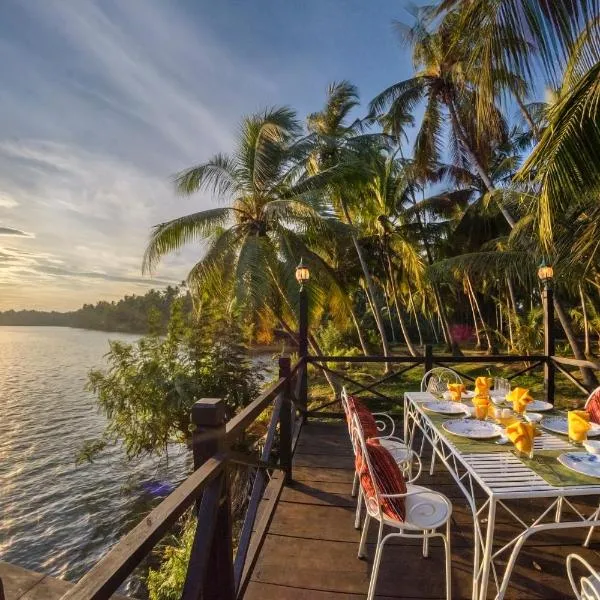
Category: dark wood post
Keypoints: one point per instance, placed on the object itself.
(285, 419)
(428, 358)
(208, 415)
(303, 349)
(549, 343)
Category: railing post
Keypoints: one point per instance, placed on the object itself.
(285, 419)
(303, 349)
(428, 358)
(208, 416)
(549, 344)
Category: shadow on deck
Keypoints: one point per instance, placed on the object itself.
(310, 550)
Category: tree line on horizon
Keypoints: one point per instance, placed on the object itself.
(415, 242)
(132, 314)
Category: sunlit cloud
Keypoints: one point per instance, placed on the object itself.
(11, 231)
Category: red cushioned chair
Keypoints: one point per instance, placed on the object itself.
(592, 405)
(373, 426)
(411, 511)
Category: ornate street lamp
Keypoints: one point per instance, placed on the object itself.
(302, 274)
(546, 274)
(302, 277)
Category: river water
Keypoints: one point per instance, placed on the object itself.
(58, 517)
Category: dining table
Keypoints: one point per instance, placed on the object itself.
(494, 478)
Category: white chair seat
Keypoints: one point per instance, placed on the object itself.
(590, 588)
(425, 510)
(398, 450)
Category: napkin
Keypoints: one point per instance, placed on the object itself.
(522, 436)
(520, 398)
(483, 385)
(579, 424)
(456, 390)
(481, 404)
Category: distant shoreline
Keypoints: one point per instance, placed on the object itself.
(252, 350)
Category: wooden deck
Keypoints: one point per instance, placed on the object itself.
(311, 544)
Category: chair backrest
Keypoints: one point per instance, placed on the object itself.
(344, 399)
(436, 380)
(592, 405)
(589, 586)
(363, 463)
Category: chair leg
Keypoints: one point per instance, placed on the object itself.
(363, 537)
(431, 469)
(588, 538)
(448, 550)
(422, 446)
(376, 563)
(355, 484)
(425, 543)
(358, 510)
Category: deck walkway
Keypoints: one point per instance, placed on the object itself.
(310, 548)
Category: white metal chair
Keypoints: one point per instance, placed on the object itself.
(394, 445)
(589, 586)
(436, 382)
(425, 512)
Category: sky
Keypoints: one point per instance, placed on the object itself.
(102, 101)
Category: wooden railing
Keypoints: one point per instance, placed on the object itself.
(214, 570)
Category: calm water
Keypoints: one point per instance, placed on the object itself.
(55, 516)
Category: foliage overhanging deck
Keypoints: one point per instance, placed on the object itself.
(310, 548)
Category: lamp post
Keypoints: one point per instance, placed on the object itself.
(302, 277)
(546, 275)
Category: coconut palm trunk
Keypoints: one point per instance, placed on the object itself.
(416, 317)
(586, 329)
(401, 320)
(491, 349)
(478, 345)
(361, 339)
(370, 287)
(589, 379)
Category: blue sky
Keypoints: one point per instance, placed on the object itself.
(103, 100)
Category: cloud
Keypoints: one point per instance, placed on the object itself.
(126, 94)
(11, 231)
(7, 201)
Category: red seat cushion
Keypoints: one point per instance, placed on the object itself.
(593, 406)
(366, 419)
(388, 479)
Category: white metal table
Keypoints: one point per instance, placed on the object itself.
(502, 477)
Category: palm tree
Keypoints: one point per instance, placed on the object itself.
(498, 30)
(380, 217)
(252, 241)
(441, 82)
(339, 144)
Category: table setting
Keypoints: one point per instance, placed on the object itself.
(511, 419)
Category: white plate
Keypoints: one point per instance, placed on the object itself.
(539, 406)
(470, 428)
(560, 425)
(465, 395)
(581, 462)
(446, 408)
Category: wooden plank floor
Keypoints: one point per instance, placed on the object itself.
(311, 545)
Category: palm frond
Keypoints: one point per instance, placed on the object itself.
(172, 235)
(217, 175)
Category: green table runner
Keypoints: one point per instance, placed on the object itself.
(544, 462)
